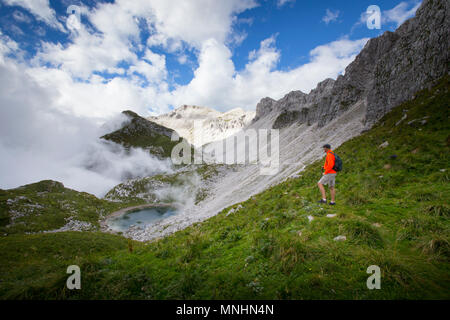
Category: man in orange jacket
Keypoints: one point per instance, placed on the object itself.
(329, 176)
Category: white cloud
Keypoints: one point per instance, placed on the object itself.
(173, 24)
(7, 47)
(194, 22)
(99, 51)
(330, 16)
(143, 83)
(152, 67)
(400, 13)
(281, 3)
(217, 84)
(100, 98)
(40, 9)
(21, 17)
(182, 59)
(117, 42)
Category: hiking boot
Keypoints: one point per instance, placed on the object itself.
(322, 201)
(332, 203)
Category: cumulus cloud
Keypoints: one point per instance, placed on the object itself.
(330, 16)
(118, 72)
(90, 52)
(172, 24)
(7, 47)
(194, 22)
(216, 83)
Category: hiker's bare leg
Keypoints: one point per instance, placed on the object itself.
(333, 193)
(322, 190)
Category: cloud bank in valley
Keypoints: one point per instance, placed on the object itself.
(39, 142)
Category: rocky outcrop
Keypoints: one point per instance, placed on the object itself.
(265, 106)
(139, 124)
(387, 72)
(142, 133)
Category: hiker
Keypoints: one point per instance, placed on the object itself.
(329, 175)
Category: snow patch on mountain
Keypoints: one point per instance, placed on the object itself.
(214, 125)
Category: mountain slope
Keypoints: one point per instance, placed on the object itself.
(215, 125)
(145, 134)
(392, 208)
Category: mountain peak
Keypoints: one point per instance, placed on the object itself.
(216, 125)
(143, 133)
(130, 114)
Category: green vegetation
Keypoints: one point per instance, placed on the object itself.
(142, 133)
(32, 265)
(48, 205)
(392, 206)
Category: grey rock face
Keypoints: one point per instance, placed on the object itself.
(265, 106)
(418, 55)
(388, 71)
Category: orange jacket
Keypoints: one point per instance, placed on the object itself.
(329, 163)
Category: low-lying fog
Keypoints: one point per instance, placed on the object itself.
(38, 142)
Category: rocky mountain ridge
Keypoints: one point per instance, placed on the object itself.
(388, 71)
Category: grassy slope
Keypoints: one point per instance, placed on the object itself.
(32, 265)
(396, 217)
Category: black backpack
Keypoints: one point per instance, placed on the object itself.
(337, 163)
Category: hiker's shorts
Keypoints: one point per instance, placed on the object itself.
(328, 179)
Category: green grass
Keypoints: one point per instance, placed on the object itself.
(35, 262)
(396, 218)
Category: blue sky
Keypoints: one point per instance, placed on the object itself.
(152, 56)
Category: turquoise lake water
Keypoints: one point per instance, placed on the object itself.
(140, 218)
